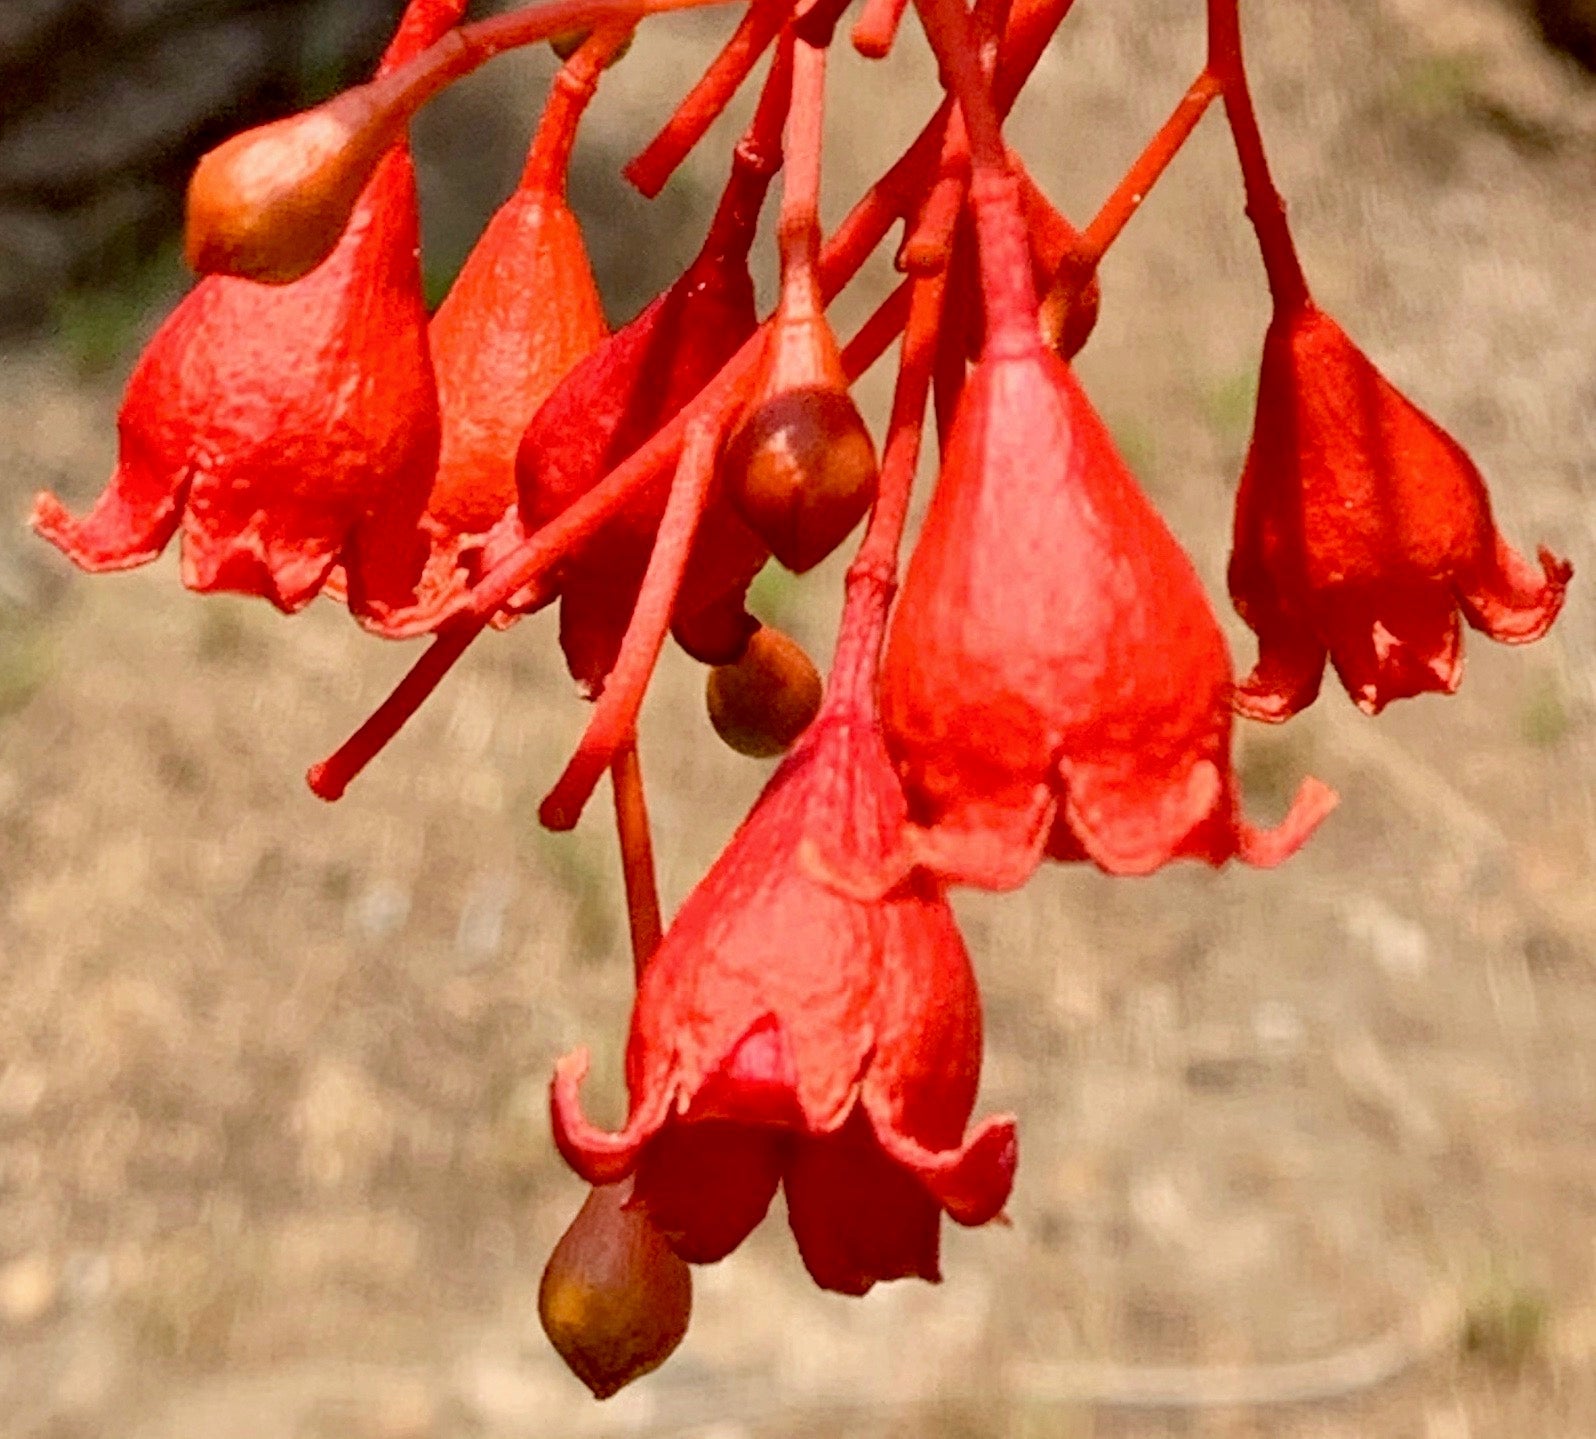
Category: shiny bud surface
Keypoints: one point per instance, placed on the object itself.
(801, 470)
(760, 704)
(615, 1300)
(270, 204)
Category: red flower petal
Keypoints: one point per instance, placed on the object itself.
(786, 1030)
(859, 1217)
(706, 1186)
(1362, 529)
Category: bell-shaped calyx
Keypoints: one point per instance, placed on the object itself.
(522, 312)
(283, 429)
(785, 1033)
(1362, 531)
(1055, 680)
(799, 465)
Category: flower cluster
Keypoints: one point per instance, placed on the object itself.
(1050, 682)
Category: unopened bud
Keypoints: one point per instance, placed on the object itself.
(761, 704)
(270, 204)
(1069, 312)
(615, 1298)
(800, 466)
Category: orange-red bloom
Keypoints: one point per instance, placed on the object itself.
(617, 398)
(523, 310)
(1362, 528)
(603, 411)
(1055, 681)
(784, 1033)
(272, 424)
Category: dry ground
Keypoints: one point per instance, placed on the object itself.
(1310, 1153)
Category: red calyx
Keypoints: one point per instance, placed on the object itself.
(281, 428)
(619, 396)
(785, 1033)
(522, 312)
(1055, 681)
(1362, 530)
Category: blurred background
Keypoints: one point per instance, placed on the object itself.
(1309, 1153)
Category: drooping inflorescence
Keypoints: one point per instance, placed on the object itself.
(1051, 682)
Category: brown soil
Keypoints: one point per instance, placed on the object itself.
(1310, 1153)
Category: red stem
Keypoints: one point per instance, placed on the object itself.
(798, 230)
(637, 854)
(929, 245)
(873, 575)
(756, 158)
(760, 148)
(957, 49)
(870, 341)
(877, 27)
(404, 90)
(1144, 174)
(1007, 290)
(1265, 208)
(329, 778)
(423, 22)
(614, 717)
(549, 156)
(658, 160)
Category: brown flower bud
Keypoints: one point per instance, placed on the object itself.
(799, 465)
(271, 203)
(615, 1298)
(761, 703)
(1069, 312)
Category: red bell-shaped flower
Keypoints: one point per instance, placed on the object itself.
(608, 406)
(1362, 529)
(523, 310)
(785, 1033)
(275, 424)
(1055, 680)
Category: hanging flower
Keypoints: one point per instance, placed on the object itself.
(272, 425)
(1362, 529)
(620, 395)
(605, 408)
(785, 1033)
(1055, 681)
(522, 312)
